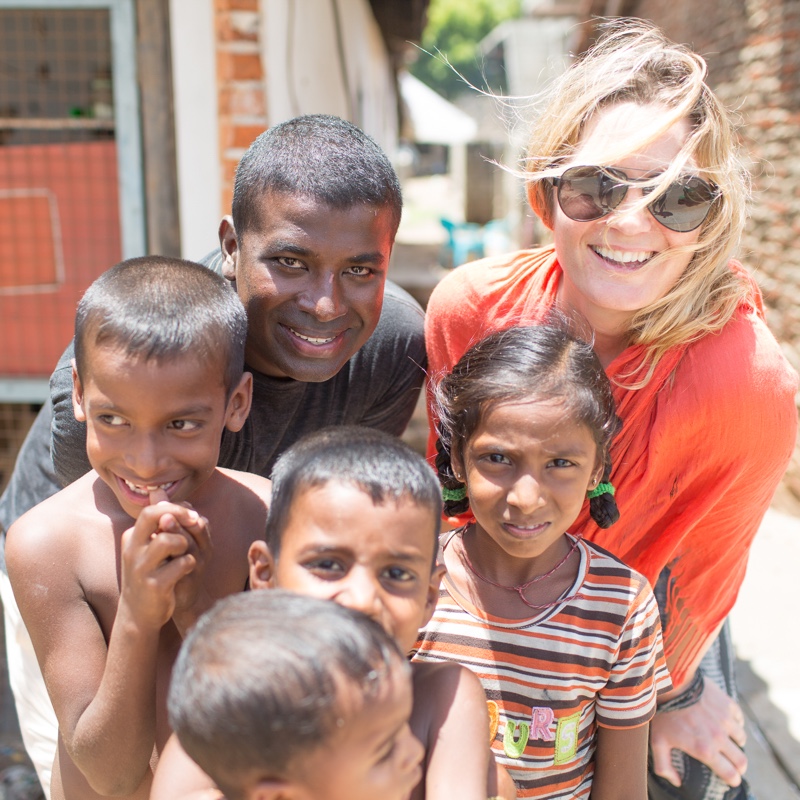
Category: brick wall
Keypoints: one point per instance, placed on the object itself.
(240, 85)
(753, 51)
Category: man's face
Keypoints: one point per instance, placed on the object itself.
(311, 278)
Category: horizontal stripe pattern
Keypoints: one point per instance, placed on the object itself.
(597, 658)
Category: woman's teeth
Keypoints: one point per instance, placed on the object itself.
(623, 256)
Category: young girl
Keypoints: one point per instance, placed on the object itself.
(565, 638)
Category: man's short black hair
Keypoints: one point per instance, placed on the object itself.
(318, 156)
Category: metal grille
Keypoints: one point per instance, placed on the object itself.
(59, 191)
(15, 419)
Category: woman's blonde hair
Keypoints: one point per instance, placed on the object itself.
(633, 61)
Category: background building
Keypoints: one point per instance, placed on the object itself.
(121, 125)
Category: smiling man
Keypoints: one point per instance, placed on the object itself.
(316, 206)
(315, 210)
(311, 277)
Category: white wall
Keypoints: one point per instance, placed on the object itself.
(314, 66)
(308, 70)
(196, 124)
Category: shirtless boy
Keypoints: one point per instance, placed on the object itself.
(331, 341)
(112, 571)
(354, 518)
(327, 718)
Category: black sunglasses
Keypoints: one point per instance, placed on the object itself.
(589, 193)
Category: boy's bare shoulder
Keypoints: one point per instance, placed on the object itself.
(83, 507)
(235, 504)
(451, 719)
(67, 544)
(262, 487)
(441, 687)
(235, 495)
(435, 676)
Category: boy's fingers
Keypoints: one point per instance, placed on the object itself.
(180, 517)
(201, 534)
(172, 571)
(163, 547)
(147, 524)
(187, 517)
(167, 522)
(163, 516)
(158, 496)
(194, 526)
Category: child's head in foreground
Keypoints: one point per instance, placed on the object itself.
(158, 375)
(279, 695)
(354, 518)
(544, 375)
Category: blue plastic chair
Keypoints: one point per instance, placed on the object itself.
(464, 242)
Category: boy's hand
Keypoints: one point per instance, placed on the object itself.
(191, 597)
(157, 552)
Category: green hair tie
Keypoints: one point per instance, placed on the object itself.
(454, 494)
(601, 488)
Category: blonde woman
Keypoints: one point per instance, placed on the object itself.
(632, 166)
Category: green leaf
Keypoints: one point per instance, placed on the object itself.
(451, 38)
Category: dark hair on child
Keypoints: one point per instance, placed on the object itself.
(519, 364)
(159, 308)
(380, 464)
(258, 682)
(318, 156)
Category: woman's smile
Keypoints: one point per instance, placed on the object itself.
(625, 261)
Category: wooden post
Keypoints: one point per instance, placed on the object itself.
(158, 127)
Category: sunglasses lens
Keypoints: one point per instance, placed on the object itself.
(685, 205)
(587, 193)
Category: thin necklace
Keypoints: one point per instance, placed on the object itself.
(520, 589)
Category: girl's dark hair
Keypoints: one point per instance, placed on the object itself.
(519, 364)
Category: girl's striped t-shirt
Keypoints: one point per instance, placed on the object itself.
(597, 658)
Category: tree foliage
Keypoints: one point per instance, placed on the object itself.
(452, 34)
